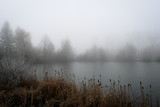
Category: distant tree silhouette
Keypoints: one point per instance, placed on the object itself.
(23, 43)
(66, 53)
(151, 53)
(128, 53)
(6, 40)
(47, 49)
(94, 54)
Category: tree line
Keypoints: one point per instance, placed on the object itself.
(17, 44)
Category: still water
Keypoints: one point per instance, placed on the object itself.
(126, 72)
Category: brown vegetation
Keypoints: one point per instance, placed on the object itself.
(62, 91)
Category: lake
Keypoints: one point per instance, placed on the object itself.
(126, 72)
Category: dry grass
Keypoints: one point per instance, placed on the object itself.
(62, 91)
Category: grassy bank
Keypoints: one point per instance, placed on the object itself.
(62, 91)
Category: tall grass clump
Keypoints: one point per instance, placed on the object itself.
(61, 90)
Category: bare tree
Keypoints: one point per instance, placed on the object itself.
(23, 43)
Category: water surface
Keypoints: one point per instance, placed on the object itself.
(126, 72)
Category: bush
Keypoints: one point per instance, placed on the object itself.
(12, 70)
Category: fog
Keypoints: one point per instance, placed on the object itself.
(91, 22)
(109, 26)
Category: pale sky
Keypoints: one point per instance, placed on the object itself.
(107, 23)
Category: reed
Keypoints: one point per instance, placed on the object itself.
(61, 90)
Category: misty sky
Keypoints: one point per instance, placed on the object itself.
(107, 23)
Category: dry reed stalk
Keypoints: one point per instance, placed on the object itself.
(25, 94)
(32, 96)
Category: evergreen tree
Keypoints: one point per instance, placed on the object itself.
(6, 41)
